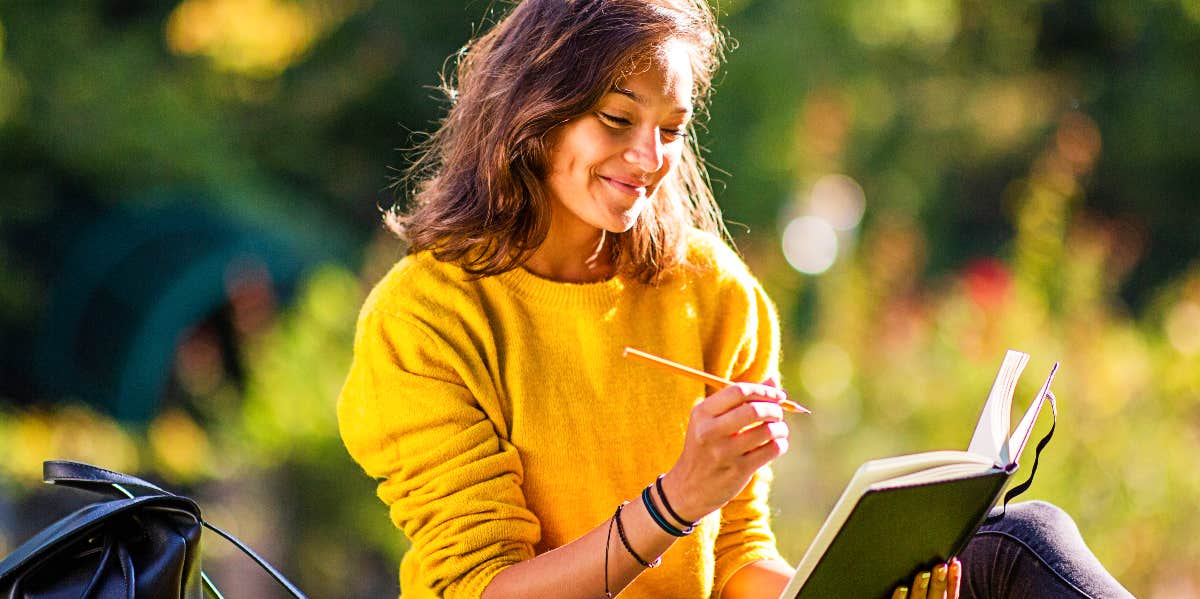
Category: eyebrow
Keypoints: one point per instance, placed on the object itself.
(628, 93)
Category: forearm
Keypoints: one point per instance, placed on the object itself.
(577, 569)
(731, 434)
(764, 579)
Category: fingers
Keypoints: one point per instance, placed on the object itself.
(738, 393)
(764, 454)
(753, 438)
(943, 582)
(954, 588)
(920, 587)
(937, 586)
(900, 593)
(746, 415)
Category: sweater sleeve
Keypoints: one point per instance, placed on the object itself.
(452, 484)
(745, 534)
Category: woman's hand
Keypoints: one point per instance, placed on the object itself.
(731, 434)
(943, 582)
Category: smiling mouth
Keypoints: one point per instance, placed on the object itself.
(626, 187)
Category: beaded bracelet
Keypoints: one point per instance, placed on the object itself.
(658, 518)
(687, 526)
(628, 547)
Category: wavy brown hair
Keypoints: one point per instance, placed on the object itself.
(476, 183)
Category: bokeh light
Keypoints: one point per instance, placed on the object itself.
(926, 22)
(180, 447)
(839, 200)
(810, 245)
(10, 84)
(826, 370)
(257, 38)
(1192, 8)
(1183, 327)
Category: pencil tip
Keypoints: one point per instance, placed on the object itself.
(795, 407)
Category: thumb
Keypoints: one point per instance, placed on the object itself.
(772, 380)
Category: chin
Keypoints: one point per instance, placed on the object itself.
(624, 220)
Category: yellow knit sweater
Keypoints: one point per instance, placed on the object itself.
(502, 421)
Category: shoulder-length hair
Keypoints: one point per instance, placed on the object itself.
(478, 195)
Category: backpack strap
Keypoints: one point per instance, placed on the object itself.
(262, 563)
(67, 473)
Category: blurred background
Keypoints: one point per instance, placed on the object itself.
(190, 198)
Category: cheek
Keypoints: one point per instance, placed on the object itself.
(671, 160)
(578, 147)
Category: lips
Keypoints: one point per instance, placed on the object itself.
(627, 186)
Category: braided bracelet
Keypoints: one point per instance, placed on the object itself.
(658, 518)
(628, 547)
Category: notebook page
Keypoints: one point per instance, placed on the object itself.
(992, 432)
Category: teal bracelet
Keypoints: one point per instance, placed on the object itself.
(658, 518)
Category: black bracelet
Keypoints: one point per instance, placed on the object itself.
(607, 543)
(662, 495)
(658, 518)
(628, 547)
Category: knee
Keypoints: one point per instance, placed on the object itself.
(1042, 518)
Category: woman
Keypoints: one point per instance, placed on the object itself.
(562, 213)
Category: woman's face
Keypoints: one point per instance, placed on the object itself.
(605, 166)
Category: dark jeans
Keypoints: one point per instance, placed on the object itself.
(1034, 551)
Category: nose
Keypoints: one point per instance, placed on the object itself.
(646, 150)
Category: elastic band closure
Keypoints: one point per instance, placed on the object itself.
(1021, 488)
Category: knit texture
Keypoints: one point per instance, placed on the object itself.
(502, 421)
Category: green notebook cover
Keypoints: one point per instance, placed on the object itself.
(876, 551)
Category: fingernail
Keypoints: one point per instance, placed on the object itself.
(903, 592)
(940, 572)
(923, 580)
(955, 564)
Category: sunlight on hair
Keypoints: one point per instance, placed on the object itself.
(810, 245)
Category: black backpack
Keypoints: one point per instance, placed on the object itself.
(142, 542)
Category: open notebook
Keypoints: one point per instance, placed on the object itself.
(900, 515)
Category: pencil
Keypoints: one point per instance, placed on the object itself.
(701, 376)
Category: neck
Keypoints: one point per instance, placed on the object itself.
(579, 256)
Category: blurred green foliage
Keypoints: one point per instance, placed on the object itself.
(1029, 175)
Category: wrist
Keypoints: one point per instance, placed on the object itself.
(683, 499)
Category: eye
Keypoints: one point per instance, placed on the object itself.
(674, 134)
(613, 120)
